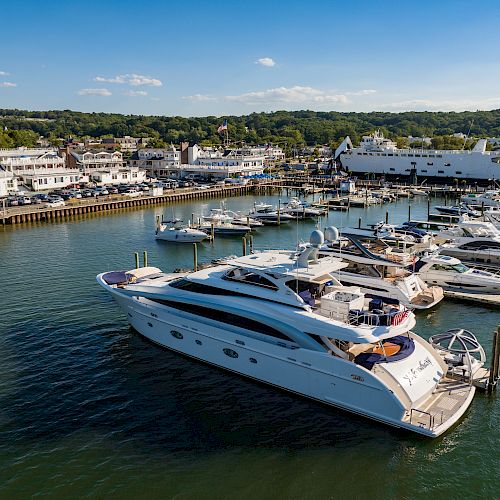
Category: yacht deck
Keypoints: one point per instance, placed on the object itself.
(447, 402)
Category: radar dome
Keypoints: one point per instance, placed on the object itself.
(317, 238)
(331, 233)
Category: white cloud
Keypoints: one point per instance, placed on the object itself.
(4, 73)
(296, 94)
(131, 79)
(199, 98)
(362, 92)
(443, 105)
(99, 92)
(135, 93)
(266, 61)
(8, 84)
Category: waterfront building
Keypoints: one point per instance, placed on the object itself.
(269, 152)
(38, 168)
(157, 162)
(125, 144)
(217, 163)
(105, 167)
(419, 140)
(8, 182)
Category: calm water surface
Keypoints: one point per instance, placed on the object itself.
(90, 408)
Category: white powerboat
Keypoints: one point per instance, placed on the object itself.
(486, 199)
(379, 273)
(452, 275)
(284, 319)
(301, 210)
(222, 214)
(174, 231)
(269, 215)
(472, 241)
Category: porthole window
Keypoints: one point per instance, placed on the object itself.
(150, 324)
(230, 353)
(253, 360)
(198, 341)
(176, 334)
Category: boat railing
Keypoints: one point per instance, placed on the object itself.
(370, 319)
(431, 418)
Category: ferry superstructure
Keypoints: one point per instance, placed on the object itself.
(379, 155)
(282, 318)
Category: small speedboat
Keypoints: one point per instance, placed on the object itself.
(174, 231)
(460, 209)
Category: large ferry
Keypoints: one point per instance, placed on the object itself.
(379, 155)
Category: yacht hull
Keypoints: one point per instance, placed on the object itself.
(312, 374)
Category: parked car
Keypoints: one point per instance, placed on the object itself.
(55, 202)
(12, 201)
(132, 192)
(112, 189)
(101, 191)
(87, 193)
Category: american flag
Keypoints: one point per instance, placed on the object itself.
(222, 127)
(398, 318)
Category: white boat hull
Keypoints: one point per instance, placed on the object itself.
(316, 375)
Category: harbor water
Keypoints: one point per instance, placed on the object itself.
(90, 408)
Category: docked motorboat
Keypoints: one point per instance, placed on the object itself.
(301, 210)
(284, 319)
(486, 199)
(386, 232)
(460, 209)
(218, 215)
(418, 192)
(453, 275)
(224, 226)
(472, 240)
(269, 215)
(379, 272)
(173, 230)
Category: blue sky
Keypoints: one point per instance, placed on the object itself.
(195, 58)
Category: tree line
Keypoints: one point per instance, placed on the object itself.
(290, 129)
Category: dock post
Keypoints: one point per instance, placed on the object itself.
(428, 207)
(495, 361)
(145, 258)
(136, 255)
(387, 216)
(157, 223)
(409, 212)
(244, 245)
(482, 209)
(195, 257)
(250, 241)
(212, 232)
(279, 210)
(359, 223)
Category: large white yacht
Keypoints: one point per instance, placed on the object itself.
(282, 318)
(377, 154)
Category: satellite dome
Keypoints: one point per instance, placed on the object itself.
(317, 238)
(331, 233)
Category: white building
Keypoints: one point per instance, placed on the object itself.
(8, 182)
(269, 152)
(105, 167)
(160, 163)
(38, 169)
(216, 163)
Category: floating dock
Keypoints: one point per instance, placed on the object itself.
(481, 298)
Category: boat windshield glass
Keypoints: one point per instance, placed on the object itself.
(249, 277)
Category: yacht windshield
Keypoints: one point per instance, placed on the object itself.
(460, 268)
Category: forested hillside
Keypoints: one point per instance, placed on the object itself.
(292, 128)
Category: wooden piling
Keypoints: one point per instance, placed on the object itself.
(195, 257)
